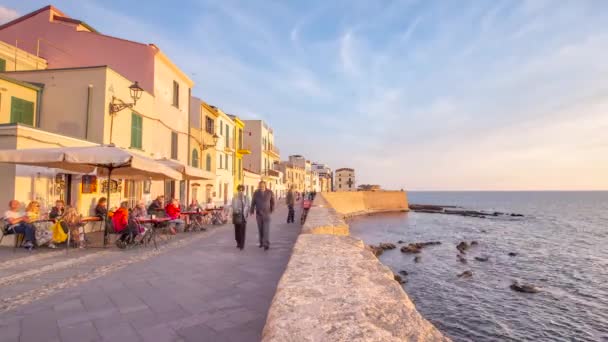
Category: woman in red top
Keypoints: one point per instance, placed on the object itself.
(173, 212)
(120, 219)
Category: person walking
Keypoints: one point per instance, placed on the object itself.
(262, 204)
(291, 202)
(240, 211)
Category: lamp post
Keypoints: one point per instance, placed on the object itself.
(116, 105)
(215, 138)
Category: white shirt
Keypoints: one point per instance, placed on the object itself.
(9, 214)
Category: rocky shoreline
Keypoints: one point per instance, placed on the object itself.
(455, 210)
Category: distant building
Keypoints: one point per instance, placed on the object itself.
(325, 176)
(259, 139)
(345, 180)
(293, 176)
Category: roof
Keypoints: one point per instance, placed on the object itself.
(29, 15)
(345, 169)
(21, 83)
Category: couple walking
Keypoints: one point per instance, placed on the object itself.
(262, 204)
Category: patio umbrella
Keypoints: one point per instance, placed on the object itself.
(105, 160)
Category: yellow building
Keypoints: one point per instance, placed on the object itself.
(18, 101)
(241, 150)
(13, 59)
(293, 176)
(203, 118)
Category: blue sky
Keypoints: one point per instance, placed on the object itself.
(438, 95)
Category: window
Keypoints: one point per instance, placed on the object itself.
(227, 136)
(221, 161)
(174, 145)
(240, 169)
(221, 128)
(22, 111)
(240, 139)
(194, 158)
(209, 125)
(2, 65)
(176, 94)
(208, 163)
(136, 130)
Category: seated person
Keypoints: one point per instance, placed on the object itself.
(120, 220)
(194, 205)
(43, 234)
(140, 210)
(73, 222)
(58, 210)
(101, 209)
(157, 206)
(209, 204)
(173, 211)
(19, 224)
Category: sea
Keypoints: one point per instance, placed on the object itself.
(561, 246)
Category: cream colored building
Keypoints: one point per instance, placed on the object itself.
(225, 154)
(76, 104)
(345, 180)
(251, 181)
(265, 156)
(293, 175)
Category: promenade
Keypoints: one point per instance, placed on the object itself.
(197, 287)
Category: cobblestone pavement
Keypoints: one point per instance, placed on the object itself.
(198, 287)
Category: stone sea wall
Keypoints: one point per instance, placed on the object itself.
(334, 289)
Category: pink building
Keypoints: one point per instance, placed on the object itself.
(67, 43)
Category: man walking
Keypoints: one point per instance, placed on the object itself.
(291, 201)
(262, 204)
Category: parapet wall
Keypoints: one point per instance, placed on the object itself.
(364, 202)
(334, 289)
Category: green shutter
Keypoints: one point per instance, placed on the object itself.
(136, 130)
(22, 111)
(2, 65)
(208, 162)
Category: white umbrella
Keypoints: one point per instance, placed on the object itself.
(187, 172)
(106, 160)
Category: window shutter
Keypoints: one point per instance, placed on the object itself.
(136, 130)
(173, 145)
(2, 65)
(208, 162)
(22, 111)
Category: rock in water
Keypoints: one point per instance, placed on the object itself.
(461, 258)
(462, 246)
(512, 254)
(482, 259)
(465, 274)
(474, 243)
(400, 241)
(403, 272)
(525, 288)
(417, 259)
(411, 248)
(376, 250)
(399, 279)
(386, 245)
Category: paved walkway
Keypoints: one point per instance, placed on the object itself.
(196, 288)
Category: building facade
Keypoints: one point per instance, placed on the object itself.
(250, 181)
(325, 176)
(203, 147)
(345, 180)
(225, 153)
(293, 176)
(85, 75)
(265, 156)
(240, 150)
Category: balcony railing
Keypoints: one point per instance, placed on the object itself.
(270, 173)
(272, 150)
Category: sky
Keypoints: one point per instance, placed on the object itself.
(412, 94)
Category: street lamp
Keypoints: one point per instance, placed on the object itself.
(116, 105)
(215, 139)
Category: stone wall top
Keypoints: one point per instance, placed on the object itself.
(334, 289)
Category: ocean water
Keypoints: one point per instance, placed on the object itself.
(561, 246)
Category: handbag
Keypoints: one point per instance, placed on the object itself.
(59, 235)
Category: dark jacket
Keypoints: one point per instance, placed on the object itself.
(101, 212)
(55, 213)
(155, 207)
(291, 198)
(262, 203)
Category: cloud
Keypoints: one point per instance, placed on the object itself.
(7, 14)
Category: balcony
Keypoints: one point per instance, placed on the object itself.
(270, 173)
(229, 146)
(273, 151)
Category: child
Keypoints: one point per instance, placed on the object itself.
(71, 219)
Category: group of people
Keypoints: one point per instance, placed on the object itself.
(23, 221)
